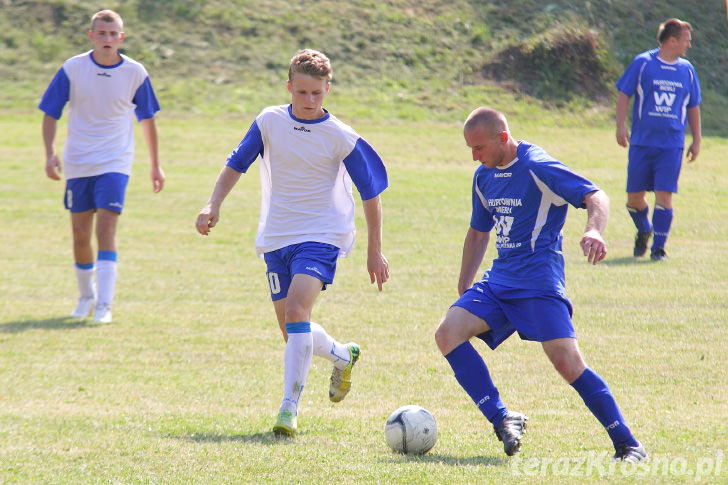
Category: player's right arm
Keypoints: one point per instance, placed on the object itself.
(237, 163)
(52, 104)
(210, 214)
(621, 118)
(53, 163)
(473, 252)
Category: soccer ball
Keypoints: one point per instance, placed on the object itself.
(411, 429)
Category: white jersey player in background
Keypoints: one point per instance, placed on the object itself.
(103, 89)
(308, 162)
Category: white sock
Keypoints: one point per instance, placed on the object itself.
(106, 277)
(297, 361)
(324, 345)
(85, 280)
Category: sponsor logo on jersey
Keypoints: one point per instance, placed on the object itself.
(103, 74)
(505, 201)
(302, 128)
(502, 175)
(664, 102)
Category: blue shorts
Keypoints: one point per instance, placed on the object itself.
(536, 315)
(105, 191)
(311, 258)
(653, 168)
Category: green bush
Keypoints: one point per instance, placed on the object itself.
(557, 66)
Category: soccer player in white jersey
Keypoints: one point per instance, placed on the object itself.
(523, 194)
(308, 162)
(666, 95)
(104, 90)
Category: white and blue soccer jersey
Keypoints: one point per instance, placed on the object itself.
(101, 102)
(307, 168)
(526, 202)
(663, 92)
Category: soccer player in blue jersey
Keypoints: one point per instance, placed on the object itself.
(667, 95)
(522, 193)
(308, 162)
(104, 90)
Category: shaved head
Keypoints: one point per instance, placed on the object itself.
(490, 120)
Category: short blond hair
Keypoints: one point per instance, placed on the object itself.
(312, 63)
(491, 120)
(107, 16)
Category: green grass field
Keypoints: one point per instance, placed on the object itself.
(184, 385)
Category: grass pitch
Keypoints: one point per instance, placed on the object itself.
(183, 387)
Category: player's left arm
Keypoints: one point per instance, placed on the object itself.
(694, 122)
(592, 242)
(149, 128)
(377, 264)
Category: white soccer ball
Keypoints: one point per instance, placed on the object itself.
(411, 429)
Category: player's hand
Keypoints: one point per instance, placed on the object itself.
(53, 167)
(378, 268)
(692, 153)
(157, 176)
(623, 136)
(206, 220)
(594, 247)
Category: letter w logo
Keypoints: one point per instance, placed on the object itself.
(664, 98)
(503, 225)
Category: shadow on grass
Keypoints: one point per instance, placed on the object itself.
(453, 460)
(61, 323)
(267, 438)
(627, 261)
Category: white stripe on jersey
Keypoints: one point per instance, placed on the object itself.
(548, 198)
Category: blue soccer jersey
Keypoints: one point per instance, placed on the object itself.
(307, 168)
(526, 202)
(663, 92)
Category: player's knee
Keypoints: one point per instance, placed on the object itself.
(81, 235)
(568, 367)
(296, 312)
(446, 336)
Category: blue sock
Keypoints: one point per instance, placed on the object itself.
(641, 221)
(472, 374)
(597, 397)
(661, 219)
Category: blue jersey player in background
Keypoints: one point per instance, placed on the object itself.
(522, 194)
(308, 162)
(666, 95)
(104, 90)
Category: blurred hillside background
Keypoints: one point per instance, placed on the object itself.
(393, 59)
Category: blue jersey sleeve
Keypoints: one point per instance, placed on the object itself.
(695, 98)
(56, 96)
(247, 151)
(481, 218)
(145, 101)
(366, 170)
(628, 82)
(564, 182)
